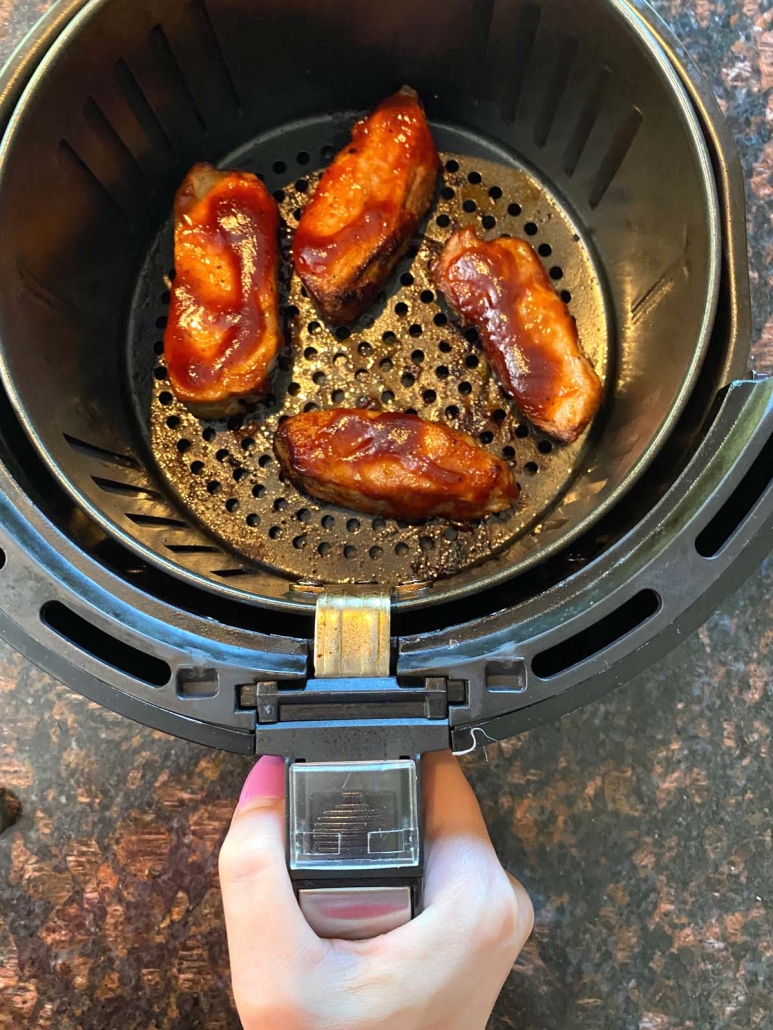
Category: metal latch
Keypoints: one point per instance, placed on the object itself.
(351, 634)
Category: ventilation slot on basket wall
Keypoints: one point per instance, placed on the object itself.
(95, 189)
(598, 637)
(173, 73)
(728, 519)
(141, 108)
(106, 648)
(612, 161)
(217, 57)
(91, 450)
(523, 40)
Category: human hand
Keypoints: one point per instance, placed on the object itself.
(441, 971)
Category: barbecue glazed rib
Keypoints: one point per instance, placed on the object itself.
(367, 208)
(223, 333)
(393, 464)
(529, 337)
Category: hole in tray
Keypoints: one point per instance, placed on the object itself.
(716, 534)
(597, 637)
(104, 646)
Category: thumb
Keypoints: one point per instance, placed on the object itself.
(266, 930)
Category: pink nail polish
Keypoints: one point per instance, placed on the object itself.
(266, 780)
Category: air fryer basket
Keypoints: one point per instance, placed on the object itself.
(160, 566)
(559, 123)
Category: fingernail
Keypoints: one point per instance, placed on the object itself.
(266, 780)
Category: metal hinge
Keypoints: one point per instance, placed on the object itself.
(351, 634)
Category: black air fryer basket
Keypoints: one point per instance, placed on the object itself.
(159, 564)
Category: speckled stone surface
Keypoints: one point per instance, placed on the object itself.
(643, 826)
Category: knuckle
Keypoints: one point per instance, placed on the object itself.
(501, 918)
(510, 923)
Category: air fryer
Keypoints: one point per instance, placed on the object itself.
(161, 566)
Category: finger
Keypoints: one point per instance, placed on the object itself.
(450, 805)
(458, 844)
(465, 882)
(475, 917)
(267, 935)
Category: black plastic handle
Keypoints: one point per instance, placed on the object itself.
(355, 847)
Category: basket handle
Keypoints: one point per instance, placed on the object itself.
(355, 844)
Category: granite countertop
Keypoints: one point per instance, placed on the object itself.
(642, 826)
